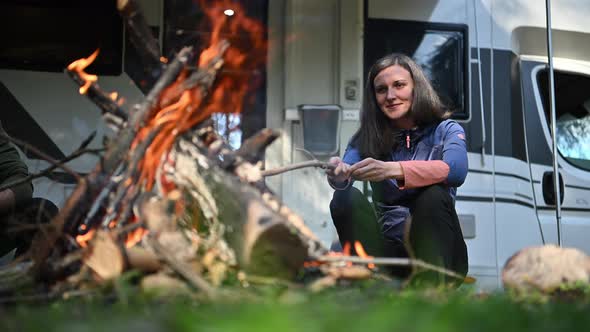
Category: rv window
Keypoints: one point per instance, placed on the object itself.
(572, 105)
(439, 48)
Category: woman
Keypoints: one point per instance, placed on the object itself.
(414, 157)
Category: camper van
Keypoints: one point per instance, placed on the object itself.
(488, 60)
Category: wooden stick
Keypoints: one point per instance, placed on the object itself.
(99, 97)
(284, 169)
(390, 261)
(137, 120)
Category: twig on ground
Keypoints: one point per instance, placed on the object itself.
(284, 169)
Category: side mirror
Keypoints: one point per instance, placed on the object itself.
(548, 188)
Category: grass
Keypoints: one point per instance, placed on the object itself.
(365, 307)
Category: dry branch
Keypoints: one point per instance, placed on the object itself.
(100, 98)
(137, 120)
(284, 169)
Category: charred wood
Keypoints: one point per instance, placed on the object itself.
(141, 111)
(252, 149)
(140, 34)
(101, 99)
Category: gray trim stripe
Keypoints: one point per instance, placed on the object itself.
(499, 173)
(490, 200)
(567, 185)
(479, 171)
(517, 202)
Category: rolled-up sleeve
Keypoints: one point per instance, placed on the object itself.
(455, 153)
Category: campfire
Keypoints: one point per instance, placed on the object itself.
(169, 197)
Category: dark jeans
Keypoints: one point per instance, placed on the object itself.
(434, 232)
(18, 228)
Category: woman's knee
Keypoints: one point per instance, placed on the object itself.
(344, 201)
(433, 197)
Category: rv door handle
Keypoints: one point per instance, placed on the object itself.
(549, 188)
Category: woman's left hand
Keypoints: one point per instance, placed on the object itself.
(374, 170)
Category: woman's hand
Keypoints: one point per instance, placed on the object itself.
(339, 174)
(376, 170)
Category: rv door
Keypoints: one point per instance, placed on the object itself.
(572, 99)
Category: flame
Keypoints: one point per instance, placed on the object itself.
(84, 238)
(79, 66)
(135, 236)
(179, 111)
(362, 253)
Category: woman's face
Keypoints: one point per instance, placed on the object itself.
(394, 88)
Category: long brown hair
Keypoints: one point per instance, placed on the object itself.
(377, 136)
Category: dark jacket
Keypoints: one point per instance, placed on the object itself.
(12, 169)
(444, 141)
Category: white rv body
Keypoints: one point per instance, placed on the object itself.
(316, 57)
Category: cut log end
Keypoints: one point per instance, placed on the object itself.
(278, 251)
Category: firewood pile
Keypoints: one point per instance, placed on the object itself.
(170, 198)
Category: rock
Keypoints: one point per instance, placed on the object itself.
(546, 268)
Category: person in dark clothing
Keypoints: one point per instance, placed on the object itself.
(415, 157)
(17, 205)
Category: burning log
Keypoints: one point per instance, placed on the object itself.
(111, 110)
